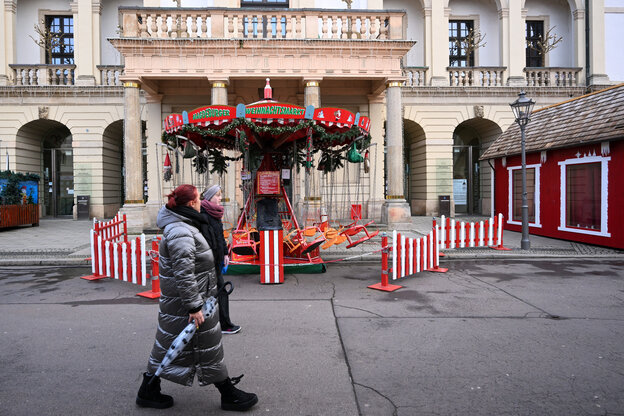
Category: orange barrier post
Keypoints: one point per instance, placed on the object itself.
(384, 285)
(498, 228)
(155, 278)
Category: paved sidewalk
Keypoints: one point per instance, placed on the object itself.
(66, 242)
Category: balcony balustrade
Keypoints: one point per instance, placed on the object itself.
(477, 76)
(43, 74)
(109, 75)
(415, 76)
(187, 23)
(552, 77)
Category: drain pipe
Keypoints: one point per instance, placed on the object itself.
(587, 46)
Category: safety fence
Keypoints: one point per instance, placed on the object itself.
(459, 234)
(409, 256)
(114, 255)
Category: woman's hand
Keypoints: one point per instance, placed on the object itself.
(198, 316)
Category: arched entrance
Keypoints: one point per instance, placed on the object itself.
(415, 162)
(45, 147)
(471, 178)
(112, 154)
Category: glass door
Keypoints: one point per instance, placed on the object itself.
(466, 179)
(58, 176)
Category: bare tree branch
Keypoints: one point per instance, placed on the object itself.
(546, 43)
(473, 41)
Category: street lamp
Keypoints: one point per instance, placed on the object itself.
(522, 109)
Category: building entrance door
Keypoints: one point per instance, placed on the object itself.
(466, 182)
(58, 180)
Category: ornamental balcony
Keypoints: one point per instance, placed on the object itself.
(251, 23)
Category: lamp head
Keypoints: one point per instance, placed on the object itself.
(522, 109)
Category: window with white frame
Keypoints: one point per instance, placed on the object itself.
(514, 214)
(584, 195)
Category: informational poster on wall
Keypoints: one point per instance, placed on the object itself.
(460, 191)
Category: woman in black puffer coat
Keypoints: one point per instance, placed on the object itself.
(212, 210)
(187, 279)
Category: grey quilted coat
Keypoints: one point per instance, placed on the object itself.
(187, 278)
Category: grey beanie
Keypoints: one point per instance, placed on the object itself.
(210, 192)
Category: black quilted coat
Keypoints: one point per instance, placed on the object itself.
(187, 278)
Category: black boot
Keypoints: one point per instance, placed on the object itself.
(149, 394)
(233, 398)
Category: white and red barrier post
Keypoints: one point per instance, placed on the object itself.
(271, 256)
(384, 285)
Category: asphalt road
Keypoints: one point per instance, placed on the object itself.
(487, 338)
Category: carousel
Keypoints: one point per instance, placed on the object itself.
(271, 139)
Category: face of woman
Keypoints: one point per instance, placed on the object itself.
(195, 203)
(217, 197)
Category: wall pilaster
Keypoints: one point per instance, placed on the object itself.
(597, 60)
(376, 196)
(155, 160)
(7, 40)
(516, 41)
(436, 38)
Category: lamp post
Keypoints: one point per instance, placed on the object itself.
(522, 109)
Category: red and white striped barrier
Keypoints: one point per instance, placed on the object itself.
(409, 256)
(271, 256)
(458, 234)
(112, 255)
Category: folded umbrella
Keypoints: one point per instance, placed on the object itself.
(187, 333)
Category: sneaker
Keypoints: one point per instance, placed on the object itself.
(231, 330)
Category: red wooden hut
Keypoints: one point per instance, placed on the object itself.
(575, 165)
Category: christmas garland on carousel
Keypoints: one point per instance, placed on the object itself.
(334, 147)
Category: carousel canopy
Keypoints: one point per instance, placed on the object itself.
(269, 124)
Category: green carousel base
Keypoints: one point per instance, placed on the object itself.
(306, 268)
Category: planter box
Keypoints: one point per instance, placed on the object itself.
(14, 215)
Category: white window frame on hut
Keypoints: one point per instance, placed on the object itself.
(604, 194)
(510, 193)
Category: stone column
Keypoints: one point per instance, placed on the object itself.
(155, 159)
(597, 61)
(219, 96)
(514, 39)
(7, 39)
(436, 47)
(396, 210)
(84, 37)
(312, 203)
(376, 196)
(134, 205)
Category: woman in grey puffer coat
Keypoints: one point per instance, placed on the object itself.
(187, 279)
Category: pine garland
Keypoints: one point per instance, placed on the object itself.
(215, 140)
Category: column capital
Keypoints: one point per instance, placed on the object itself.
(131, 84)
(10, 6)
(503, 13)
(219, 83)
(375, 98)
(578, 14)
(394, 83)
(96, 6)
(312, 82)
(74, 7)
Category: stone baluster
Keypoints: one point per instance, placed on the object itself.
(363, 28)
(353, 27)
(194, 26)
(164, 30)
(154, 26)
(324, 27)
(143, 26)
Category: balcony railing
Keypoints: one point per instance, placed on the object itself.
(477, 76)
(552, 77)
(109, 75)
(43, 74)
(415, 76)
(187, 23)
